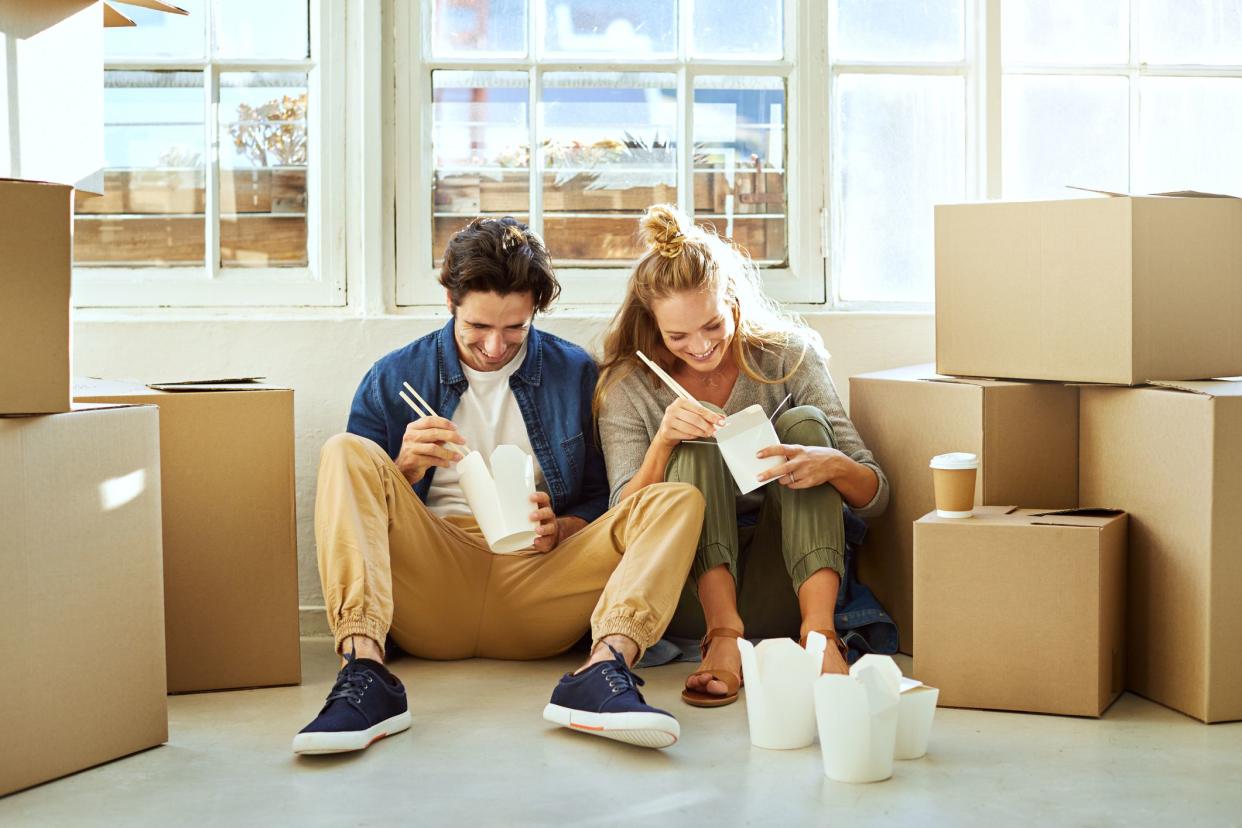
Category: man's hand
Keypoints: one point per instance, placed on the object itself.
(423, 446)
(551, 529)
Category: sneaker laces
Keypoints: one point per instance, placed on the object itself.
(620, 677)
(350, 685)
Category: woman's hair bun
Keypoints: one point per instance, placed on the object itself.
(663, 228)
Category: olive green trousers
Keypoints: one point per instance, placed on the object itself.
(798, 533)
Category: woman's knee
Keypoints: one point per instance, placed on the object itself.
(805, 425)
(694, 463)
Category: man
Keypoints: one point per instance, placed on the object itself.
(400, 553)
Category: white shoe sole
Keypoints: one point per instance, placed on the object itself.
(649, 730)
(343, 742)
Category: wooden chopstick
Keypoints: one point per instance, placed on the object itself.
(462, 450)
(672, 384)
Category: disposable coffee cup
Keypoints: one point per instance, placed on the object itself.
(953, 476)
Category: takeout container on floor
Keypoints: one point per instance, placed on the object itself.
(780, 676)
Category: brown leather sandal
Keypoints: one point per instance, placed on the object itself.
(732, 681)
(832, 637)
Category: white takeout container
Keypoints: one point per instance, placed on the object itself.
(500, 497)
(740, 438)
(857, 717)
(780, 679)
(914, 718)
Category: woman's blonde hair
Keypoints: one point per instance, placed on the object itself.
(682, 256)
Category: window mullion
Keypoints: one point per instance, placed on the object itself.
(1133, 91)
(534, 30)
(212, 189)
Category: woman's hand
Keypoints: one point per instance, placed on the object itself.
(684, 420)
(804, 466)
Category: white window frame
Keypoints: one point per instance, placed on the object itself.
(801, 282)
(1133, 70)
(322, 281)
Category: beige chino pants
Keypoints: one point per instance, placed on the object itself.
(388, 564)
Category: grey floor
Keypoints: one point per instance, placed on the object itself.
(480, 754)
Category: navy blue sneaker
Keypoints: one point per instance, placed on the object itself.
(366, 704)
(603, 700)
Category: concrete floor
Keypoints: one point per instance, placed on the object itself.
(480, 754)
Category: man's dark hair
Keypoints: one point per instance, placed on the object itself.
(499, 256)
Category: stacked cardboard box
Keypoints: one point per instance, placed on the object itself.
(1133, 291)
(80, 571)
(230, 539)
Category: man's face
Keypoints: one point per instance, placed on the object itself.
(490, 328)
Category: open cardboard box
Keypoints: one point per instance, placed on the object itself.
(1170, 453)
(82, 591)
(230, 540)
(1025, 434)
(1022, 609)
(51, 87)
(1115, 289)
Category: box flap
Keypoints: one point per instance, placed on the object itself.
(1223, 387)
(113, 19)
(1092, 518)
(226, 384)
(1170, 194)
(154, 5)
(926, 372)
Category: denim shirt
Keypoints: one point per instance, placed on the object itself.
(553, 388)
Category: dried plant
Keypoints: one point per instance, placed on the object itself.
(272, 134)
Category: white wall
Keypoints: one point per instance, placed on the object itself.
(322, 359)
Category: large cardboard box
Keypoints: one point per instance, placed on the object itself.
(35, 273)
(1026, 436)
(52, 88)
(1022, 609)
(82, 591)
(1111, 289)
(230, 539)
(1171, 455)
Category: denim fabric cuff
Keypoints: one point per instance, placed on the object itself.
(356, 623)
(710, 556)
(824, 557)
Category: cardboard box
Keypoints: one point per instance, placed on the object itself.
(82, 591)
(35, 273)
(230, 538)
(1113, 289)
(52, 85)
(1022, 609)
(1026, 436)
(1171, 455)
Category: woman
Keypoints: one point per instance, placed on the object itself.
(694, 305)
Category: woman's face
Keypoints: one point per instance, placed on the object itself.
(696, 327)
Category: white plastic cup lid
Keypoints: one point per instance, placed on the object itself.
(955, 460)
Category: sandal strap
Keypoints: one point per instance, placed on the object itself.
(718, 632)
(832, 637)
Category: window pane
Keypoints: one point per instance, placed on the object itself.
(605, 27)
(1065, 31)
(263, 151)
(151, 212)
(480, 139)
(1190, 31)
(1061, 130)
(1188, 135)
(608, 149)
(270, 29)
(159, 35)
(739, 161)
(900, 148)
(479, 28)
(897, 30)
(727, 29)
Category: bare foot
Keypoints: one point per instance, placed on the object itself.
(722, 654)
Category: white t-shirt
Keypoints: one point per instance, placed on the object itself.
(488, 416)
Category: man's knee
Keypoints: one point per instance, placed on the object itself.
(350, 446)
(805, 425)
(683, 498)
